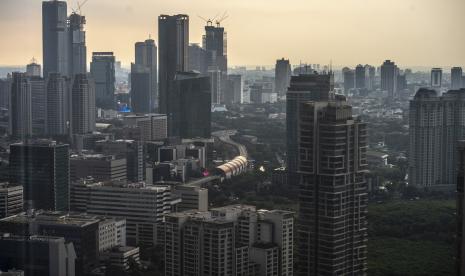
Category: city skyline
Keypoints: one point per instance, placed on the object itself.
(429, 32)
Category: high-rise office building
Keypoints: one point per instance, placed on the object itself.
(133, 151)
(370, 73)
(42, 168)
(436, 78)
(141, 85)
(146, 56)
(142, 205)
(360, 77)
(20, 109)
(37, 255)
(234, 89)
(83, 105)
(215, 44)
(33, 69)
(349, 79)
(11, 199)
(98, 166)
(152, 126)
(55, 41)
(230, 240)
(5, 91)
(58, 105)
(282, 75)
(460, 239)
(38, 105)
(102, 69)
(332, 225)
(173, 41)
(436, 123)
(309, 87)
(216, 85)
(197, 58)
(456, 78)
(190, 106)
(77, 60)
(389, 72)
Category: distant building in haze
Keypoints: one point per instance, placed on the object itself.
(58, 105)
(83, 105)
(456, 78)
(20, 108)
(173, 41)
(190, 106)
(55, 41)
(349, 79)
(77, 45)
(141, 85)
(146, 56)
(360, 77)
(102, 69)
(460, 239)
(436, 123)
(389, 72)
(42, 168)
(282, 76)
(436, 78)
(197, 58)
(33, 69)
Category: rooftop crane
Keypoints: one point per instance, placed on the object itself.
(221, 19)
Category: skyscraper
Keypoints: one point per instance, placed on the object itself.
(456, 78)
(370, 72)
(102, 69)
(33, 69)
(55, 45)
(38, 105)
(436, 123)
(77, 45)
(141, 86)
(460, 239)
(197, 58)
(282, 76)
(5, 91)
(83, 105)
(389, 72)
(58, 98)
(190, 106)
(146, 56)
(20, 110)
(173, 41)
(42, 168)
(349, 79)
(436, 78)
(360, 77)
(309, 87)
(332, 226)
(214, 43)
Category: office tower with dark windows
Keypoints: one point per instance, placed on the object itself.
(282, 76)
(389, 72)
(58, 97)
(456, 78)
(11, 199)
(215, 44)
(152, 126)
(42, 168)
(309, 87)
(360, 77)
(83, 105)
(98, 166)
(215, 85)
(197, 58)
(20, 108)
(436, 78)
(133, 151)
(77, 60)
(190, 102)
(38, 105)
(37, 255)
(5, 91)
(33, 69)
(370, 74)
(146, 56)
(55, 41)
(102, 69)
(332, 225)
(436, 123)
(234, 89)
(173, 42)
(349, 79)
(141, 85)
(460, 239)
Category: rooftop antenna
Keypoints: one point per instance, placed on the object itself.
(221, 19)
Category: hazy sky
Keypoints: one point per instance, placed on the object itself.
(410, 32)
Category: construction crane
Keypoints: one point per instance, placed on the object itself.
(221, 19)
(209, 22)
(79, 6)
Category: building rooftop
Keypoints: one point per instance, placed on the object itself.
(52, 218)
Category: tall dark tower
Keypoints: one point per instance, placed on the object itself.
(215, 44)
(173, 43)
(102, 69)
(146, 56)
(77, 45)
(42, 167)
(282, 76)
(20, 108)
(332, 226)
(55, 45)
(83, 105)
(57, 105)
